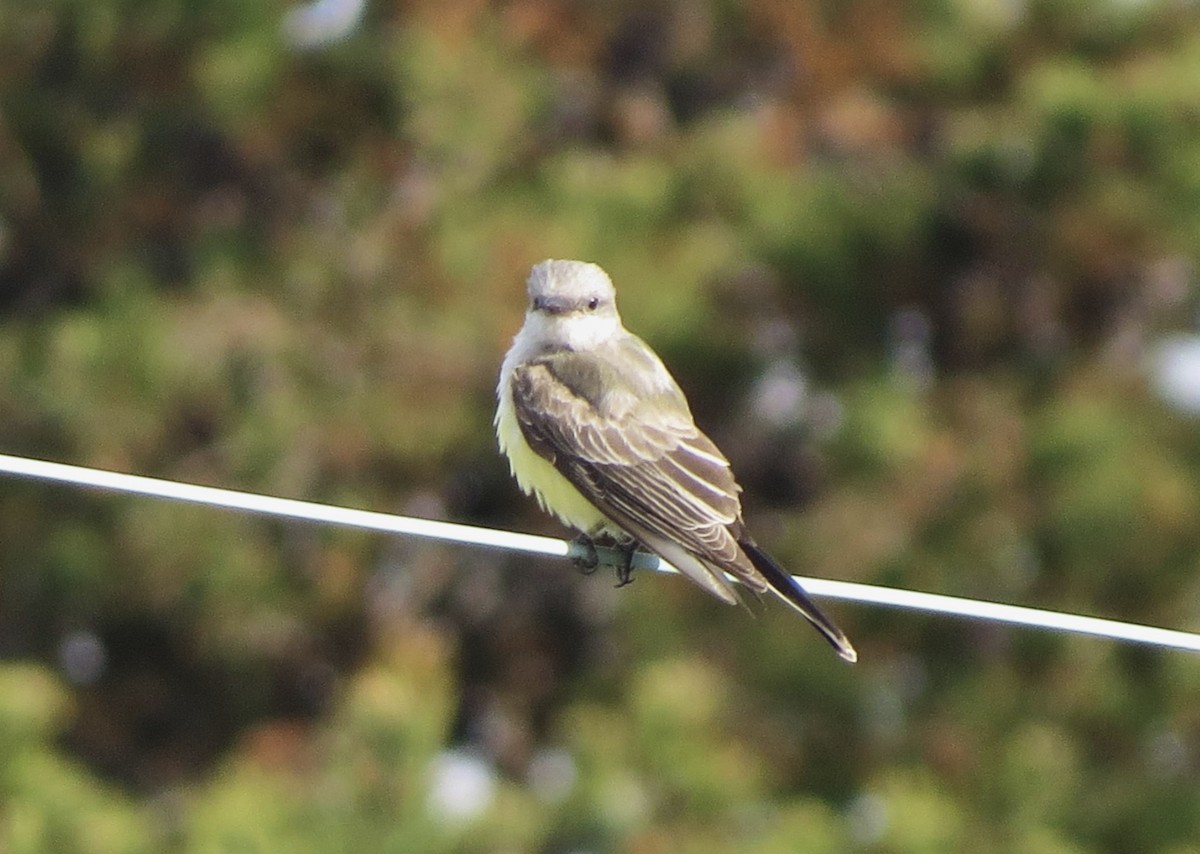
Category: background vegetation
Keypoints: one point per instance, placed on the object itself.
(916, 264)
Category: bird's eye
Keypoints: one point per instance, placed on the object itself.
(593, 304)
(537, 303)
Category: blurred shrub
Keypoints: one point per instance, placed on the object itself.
(955, 227)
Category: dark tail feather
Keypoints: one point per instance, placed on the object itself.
(783, 584)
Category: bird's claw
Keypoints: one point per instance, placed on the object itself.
(625, 569)
(590, 559)
(586, 557)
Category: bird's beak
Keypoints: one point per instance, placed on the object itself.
(553, 304)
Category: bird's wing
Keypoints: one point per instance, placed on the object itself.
(614, 423)
(630, 446)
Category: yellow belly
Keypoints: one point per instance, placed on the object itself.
(538, 477)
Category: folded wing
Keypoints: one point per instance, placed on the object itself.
(630, 446)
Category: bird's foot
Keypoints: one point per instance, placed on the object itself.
(588, 560)
(625, 569)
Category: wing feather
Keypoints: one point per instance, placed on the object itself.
(636, 454)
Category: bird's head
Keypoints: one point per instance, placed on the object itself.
(572, 304)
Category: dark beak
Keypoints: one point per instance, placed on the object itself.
(554, 304)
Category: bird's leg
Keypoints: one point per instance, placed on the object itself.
(625, 570)
(589, 560)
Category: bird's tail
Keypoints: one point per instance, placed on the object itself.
(786, 587)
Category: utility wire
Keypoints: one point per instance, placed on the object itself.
(492, 538)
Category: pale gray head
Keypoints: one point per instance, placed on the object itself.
(572, 305)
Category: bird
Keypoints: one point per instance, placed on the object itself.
(596, 428)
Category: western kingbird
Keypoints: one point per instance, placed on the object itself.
(594, 425)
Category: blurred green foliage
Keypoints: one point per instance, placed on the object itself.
(228, 259)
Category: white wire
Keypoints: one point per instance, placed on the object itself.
(999, 613)
(285, 507)
(492, 538)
